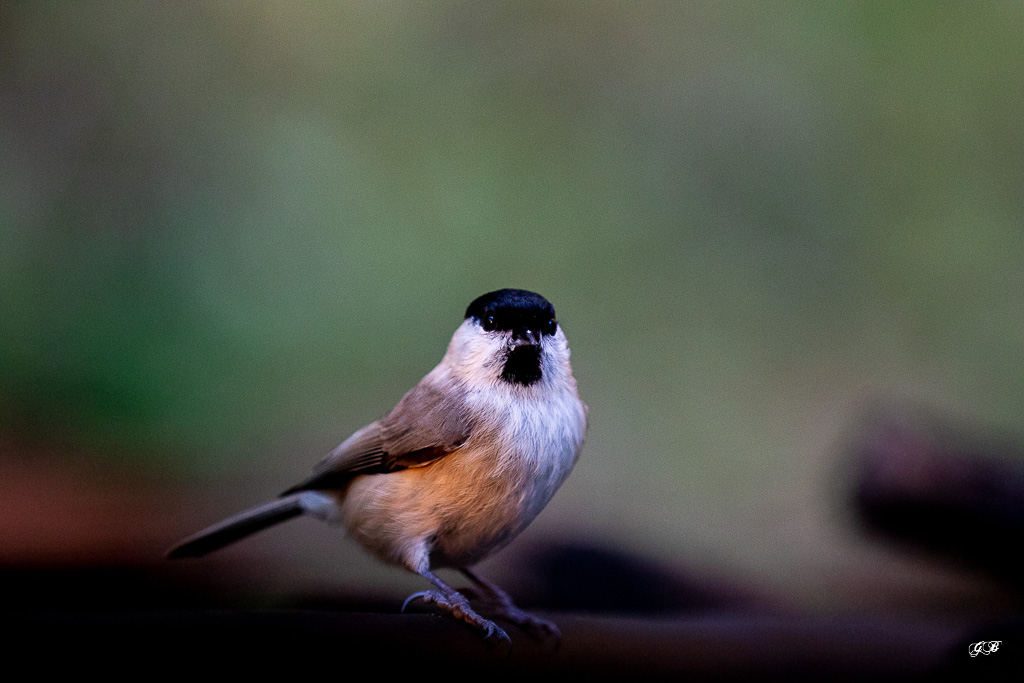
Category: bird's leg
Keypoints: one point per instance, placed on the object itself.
(456, 604)
(500, 603)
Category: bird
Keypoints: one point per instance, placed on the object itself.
(461, 465)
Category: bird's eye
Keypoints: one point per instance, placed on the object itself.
(550, 326)
(488, 323)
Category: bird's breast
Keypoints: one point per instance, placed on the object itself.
(505, 475)
(475, 500)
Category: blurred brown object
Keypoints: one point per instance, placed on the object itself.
(58, 508)
(956, 495)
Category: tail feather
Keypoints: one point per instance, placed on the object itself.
(237, 527)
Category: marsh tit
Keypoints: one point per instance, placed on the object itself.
(458, 468)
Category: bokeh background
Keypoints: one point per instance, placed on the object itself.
(232, 233)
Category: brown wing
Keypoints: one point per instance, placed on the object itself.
(427, 424)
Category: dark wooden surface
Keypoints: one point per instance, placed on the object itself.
(712, 646)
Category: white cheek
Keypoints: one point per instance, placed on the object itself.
(556, 358)
(475, 356)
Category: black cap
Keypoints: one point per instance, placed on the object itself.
(514, 310)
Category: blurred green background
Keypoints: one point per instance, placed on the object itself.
(232, 233)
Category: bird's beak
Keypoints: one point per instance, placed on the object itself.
(526, 337)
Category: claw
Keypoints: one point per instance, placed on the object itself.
(495, 631)
(458, 607)
(500, 605)
(422, 595)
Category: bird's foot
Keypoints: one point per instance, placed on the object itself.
(499, 603)
(541, 629)
(458, 606)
